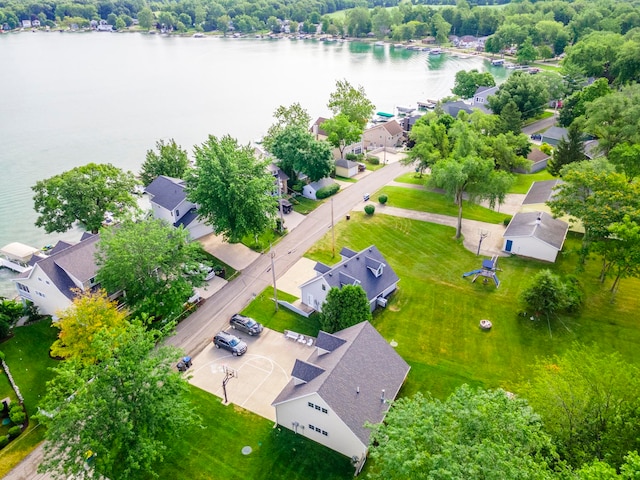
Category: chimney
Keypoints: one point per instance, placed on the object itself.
(539, 218)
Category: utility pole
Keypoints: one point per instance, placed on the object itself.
(272, 254)
(280, 203)
(333, 233)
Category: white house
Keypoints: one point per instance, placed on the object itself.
(383, 135)
(51, 281)
(367, 268)
(310, 189)
(536, 235)
(481, 98)
(346, 168)
(169, 202)
(348, 380)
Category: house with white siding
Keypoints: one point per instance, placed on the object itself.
(53, 281)
(169, 202)
(535, 235)
(367, 268)
(347, 381)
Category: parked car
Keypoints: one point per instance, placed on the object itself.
(229, 342)
(536, 136)
(245, 324)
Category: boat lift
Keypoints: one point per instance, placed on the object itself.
(488, 271)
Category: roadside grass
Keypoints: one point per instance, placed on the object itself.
(262, 242)
(524, 180)
(345, 179)
(372, 167)
(27, 354)
(412, 178)
(542, 116)
(214, 448)
(434, 315)
(263, 310)
(434, 202)
(304, 205)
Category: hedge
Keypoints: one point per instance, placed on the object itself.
(327, 191)
(369, 209)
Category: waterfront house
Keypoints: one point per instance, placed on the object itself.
(481, 98)
(367, 268)
(383, 135)
(169, 202)
(347, 381)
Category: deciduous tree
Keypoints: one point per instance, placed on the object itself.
(83, 195)
(479, 433)
(351, 101)
(170, 160)
(90, 313)
(341, 132)
(528, 92)
(291, 116)
(114, 418)
(232, 188)
(344, 307)
(298, 152)
(466, 83)
(153, 263)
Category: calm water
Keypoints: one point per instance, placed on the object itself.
(69, 99)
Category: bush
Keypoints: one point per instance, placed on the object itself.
(382, 199)
(3, 441)
(373, 160)
(17, 415)
(369, 209)
(351, 156)
(326, 192)
(507, 220)
(15, 431)
(574, 293)
(297, 187)
(546, 148)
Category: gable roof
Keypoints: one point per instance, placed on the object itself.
(343, 162)
(357, 267)
(541, 192)
(315, 128)
(167, 192)
(323, 182)
(353, 378)
(485, 91)
(76, 260)
(392, 127)
(556, 133)
(539, 225)
(453, 108)
(536, 155)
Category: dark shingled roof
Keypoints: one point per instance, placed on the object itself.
(556, 133)
(536, 155)
(541, 192)
(187, 218)
(328, 342)
(344, 163)
(321, 267)
(168, 192)
(540, 225)
(453, 108)
(305, 371)
(364, 363)
(76, 261)
(355, 266)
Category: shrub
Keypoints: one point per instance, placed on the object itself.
(373, 160)
(15, 431)
(351, 156)
(3, 441)
(297, 187)
(546, 148)
(382, 199)
(574, 293)
(17, 415)
(369, 209)
(327, 191)
(506, 221)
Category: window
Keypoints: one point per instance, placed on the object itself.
(22, 287)
(317, 407)
(311, 427)
(324, 410)
(310, 404)
(39, 279)
(177, 213)
(318, 430)
(324, 287)
(324, 432)
(40, 294)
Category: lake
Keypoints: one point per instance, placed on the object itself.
(73, 98)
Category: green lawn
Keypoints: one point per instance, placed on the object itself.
(304, 205)
(524, 180)
(434, 315)
(27, 355)
(434, 202)
(214, 450)
(262, 309)
(412, 178)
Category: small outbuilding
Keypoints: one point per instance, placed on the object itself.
(310, 190)
(346, 168)
(553, 135)
(536, 235)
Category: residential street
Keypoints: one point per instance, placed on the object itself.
(540, 124)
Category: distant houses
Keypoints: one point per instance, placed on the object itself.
(349, 380)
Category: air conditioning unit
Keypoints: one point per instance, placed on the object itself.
(382, 301)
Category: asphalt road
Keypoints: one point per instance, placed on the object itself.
(195, 332)
(540, 124)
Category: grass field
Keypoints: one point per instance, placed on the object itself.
(524, 180)
(434, 202)
(434, 315)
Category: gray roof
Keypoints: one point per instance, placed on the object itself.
(541, 192)
(556, 133)
(342, 162)
(168, 192)
(77, 260)
(540, 225)
(323, 182)
(536, 155)
(328, 342)
(453, 108)
(364, 363)
(485, 91)
(305, 371)
(356, 267)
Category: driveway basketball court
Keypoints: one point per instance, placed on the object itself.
(262, 372)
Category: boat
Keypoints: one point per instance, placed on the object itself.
(16, 256)
(427, 105)
(435, 51)
(379, 44)
(398, 45)
(405, 110)
(498, 62)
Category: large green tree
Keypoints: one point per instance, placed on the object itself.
(299, 152)
(486, 434)
(114, 418)
(466, 83)
(170, 160)
(595, 54)
(293, 115)
(341, 132)
(575, 106)
(528, 92)
(588, 401)
(351, 101)
(567, 151)
(430, 139)
(153, 263)
(344, 307)
(232, 188)
(84, 195)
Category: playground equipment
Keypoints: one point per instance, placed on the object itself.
(488, 271)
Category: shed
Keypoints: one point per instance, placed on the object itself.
(310, 190)
(553, 135)
(346, 168)
(536, 235)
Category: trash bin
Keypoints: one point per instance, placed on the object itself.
(366, 197)
(182, 367)
(348, 216)
(187, 361)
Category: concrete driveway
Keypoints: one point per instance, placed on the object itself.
(236, 255)
(262, 372)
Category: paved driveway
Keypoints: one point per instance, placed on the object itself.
(262, 372)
